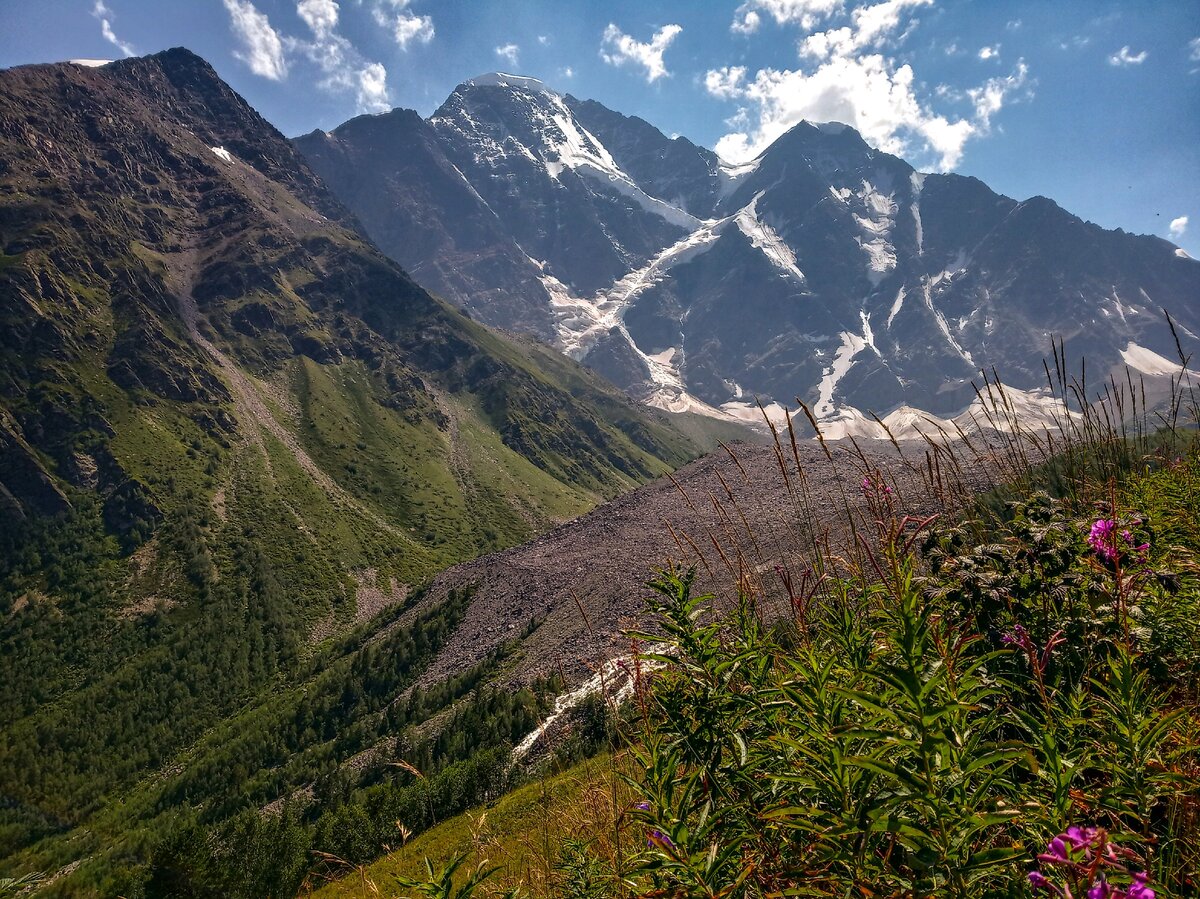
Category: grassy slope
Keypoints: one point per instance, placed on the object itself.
(521, 833)
(204, 617)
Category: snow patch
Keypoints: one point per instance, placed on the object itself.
(875, 218)
(1182, 253)
(750, 414)
(763, 237)
(504, 79)
(918, 182)
(222, 153)
(843, 359)
(90, 63)
(868, 334)
(1148, 362)
(730, 176)
(941, 320)
(897, 305)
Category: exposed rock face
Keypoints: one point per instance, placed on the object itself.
(824, 270)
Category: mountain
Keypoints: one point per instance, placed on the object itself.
(235, 440)
(824, 269)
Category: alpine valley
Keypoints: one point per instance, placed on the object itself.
(231, 432)
(328, 466)
(824, 270)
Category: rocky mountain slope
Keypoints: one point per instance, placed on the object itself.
(231, 430)
(824, 269)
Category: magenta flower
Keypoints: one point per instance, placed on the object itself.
(1139, 888)
(1038, 881)
(656, 839)
(1101, 539)
(1109, 544)
(1080, 850)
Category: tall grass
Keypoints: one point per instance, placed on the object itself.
(975, 675)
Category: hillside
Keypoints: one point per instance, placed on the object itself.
(231, 431)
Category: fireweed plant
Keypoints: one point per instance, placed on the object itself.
(998, 700)
(952, 715)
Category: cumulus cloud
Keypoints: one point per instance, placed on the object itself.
(1126, 57)
(1178, 226)
(725, 82)
(989, 52)
(543, 39)
(261, 45)
(806, 13)
(568, 72)
(321, 16)
(343, 67)
(372, 88)
(618, 48)
(104, 14)
(847, 76)
(406, 26)
(510, 53)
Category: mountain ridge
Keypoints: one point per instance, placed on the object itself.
(872, 287)
(235, 441)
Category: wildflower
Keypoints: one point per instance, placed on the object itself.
(1018, 636)
(1100, 539)
(869, 487)
(1139, 888)
(644, 806)
(1108, 544)
(1038, 881)
(656, 839)
(1081, 850)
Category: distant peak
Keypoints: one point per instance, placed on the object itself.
(504, 79)
(830, 127)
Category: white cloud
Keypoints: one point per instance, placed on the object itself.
(344, 68)
(851, 80)
(104, 14)
(543, 39)
(806, 13)
(406, 26)
(510, 53)
(747, 24)
(321, 16)
(952, 49)
(725, 82)
(1125, 57)
(568, 72)
(989, 52)
(262, 48)
(1178, 226)
(1194, 47)
(410, 27)
(1013, 25)
(618, 48)
(372, 88)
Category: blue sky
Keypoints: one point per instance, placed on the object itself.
(1095, 104)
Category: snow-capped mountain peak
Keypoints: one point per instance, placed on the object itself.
(823, 269)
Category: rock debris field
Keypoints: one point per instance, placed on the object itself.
(571, 594)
